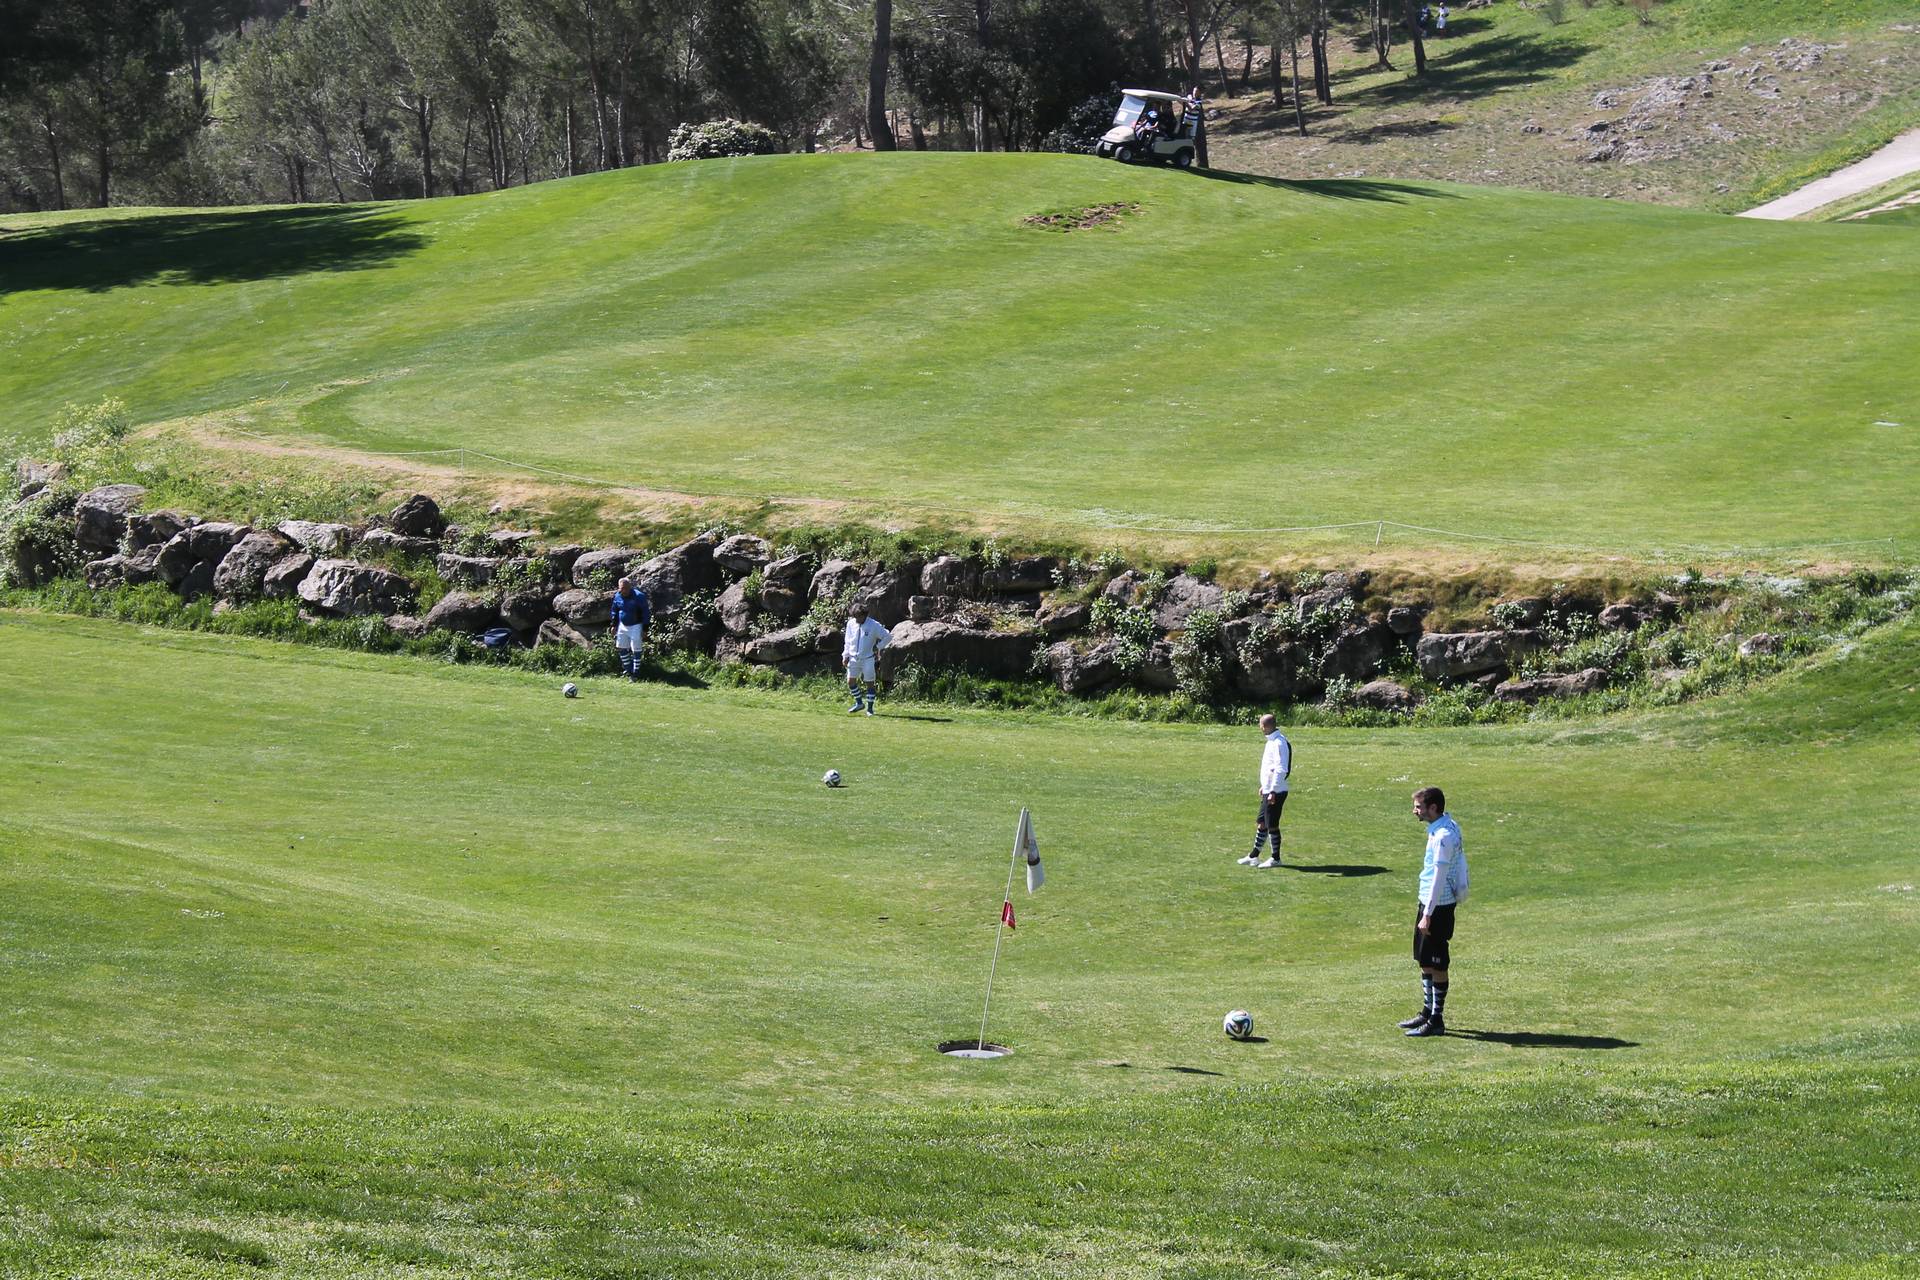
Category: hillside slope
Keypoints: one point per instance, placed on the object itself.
(1232, 354)
(1715, 104)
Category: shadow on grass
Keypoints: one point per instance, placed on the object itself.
(1485, 66)
(1332, 188)
(1337, 869)
(216, 247)
(1390, 130)
(1543, 1039)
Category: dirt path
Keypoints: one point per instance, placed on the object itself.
(1895, 160)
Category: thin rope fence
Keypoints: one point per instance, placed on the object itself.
(1378, 525)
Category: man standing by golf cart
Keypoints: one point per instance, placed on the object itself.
(864, 640)
(631, 613)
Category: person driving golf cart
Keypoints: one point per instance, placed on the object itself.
(1150, 125)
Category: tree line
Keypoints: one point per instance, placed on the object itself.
(207, 102)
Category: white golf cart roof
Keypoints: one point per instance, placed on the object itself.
(1154, 93)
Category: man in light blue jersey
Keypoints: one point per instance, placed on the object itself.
(1276, 767)
(1443, 886)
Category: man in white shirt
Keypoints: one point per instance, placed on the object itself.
(1443, 886)
(1276, 763)
(864, 640)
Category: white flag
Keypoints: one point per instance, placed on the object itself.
(1025, 844)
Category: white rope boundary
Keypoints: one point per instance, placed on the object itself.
(1379, 526)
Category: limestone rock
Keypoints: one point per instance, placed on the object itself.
(1403, 621)
(198, 544)
(603, 569)
(949, 576)
(155, 528)
(283, 580)
(31, 477)
(590, 610)
(407, 628)
(555, 631)
(1065, 618)
(1538, 687)
(1761, 643)
(100, 515)
(1621, 617)
(242, 572)
(527, 608)
(780, 646)
(1385, 695)
(418, 517)
(467, 571)
(387, 542)
(944, 644)
(321, 538)
(742, 553)
(1451, 655)
(1356, 652)
(1082, 671)
(1019, 573)
(462, 611)
(834, 579)
(1184, 596)
(673, 575)
(737, 609)
(348, 589)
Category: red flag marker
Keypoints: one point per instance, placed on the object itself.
(1006, 913)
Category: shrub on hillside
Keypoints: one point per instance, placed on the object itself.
(1085, 122)
(718, 138)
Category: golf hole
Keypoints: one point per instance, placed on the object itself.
(973, 1049)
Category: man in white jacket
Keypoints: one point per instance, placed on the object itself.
(865, 639)
(1276, 763)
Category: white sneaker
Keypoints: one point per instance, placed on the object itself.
(1248, 861)
(1269, 863)
(855, 709)
(869, 708)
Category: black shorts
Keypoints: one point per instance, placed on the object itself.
(1430, 948)
(1268, 818)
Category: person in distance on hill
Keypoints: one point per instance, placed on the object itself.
(631, 614)
(1443, 886)
(864, 640)
(1276, 765)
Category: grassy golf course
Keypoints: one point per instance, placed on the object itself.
(887, 335)
(328, 964)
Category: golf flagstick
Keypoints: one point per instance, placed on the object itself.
(1006, 909)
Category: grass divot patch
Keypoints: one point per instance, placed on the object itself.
(1085, 218)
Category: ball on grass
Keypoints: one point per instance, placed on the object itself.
(831, 777)
(1238, 1025)
(571, 689)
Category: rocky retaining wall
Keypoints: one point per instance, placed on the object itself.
(1089, 628)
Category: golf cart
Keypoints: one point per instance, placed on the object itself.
(1167, 139)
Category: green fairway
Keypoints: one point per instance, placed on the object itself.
(1237, 354)
(361, 965)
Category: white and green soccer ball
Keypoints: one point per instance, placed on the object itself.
(1238, 1025)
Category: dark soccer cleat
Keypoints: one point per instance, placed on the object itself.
(1430, 1027)
(1417, 1020)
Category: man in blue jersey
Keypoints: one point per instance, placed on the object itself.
(631, 614)
(1276, 765)
(1443, 886)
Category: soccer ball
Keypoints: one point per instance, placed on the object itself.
(571, 689)
(1238, 1025)
(831, 777)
